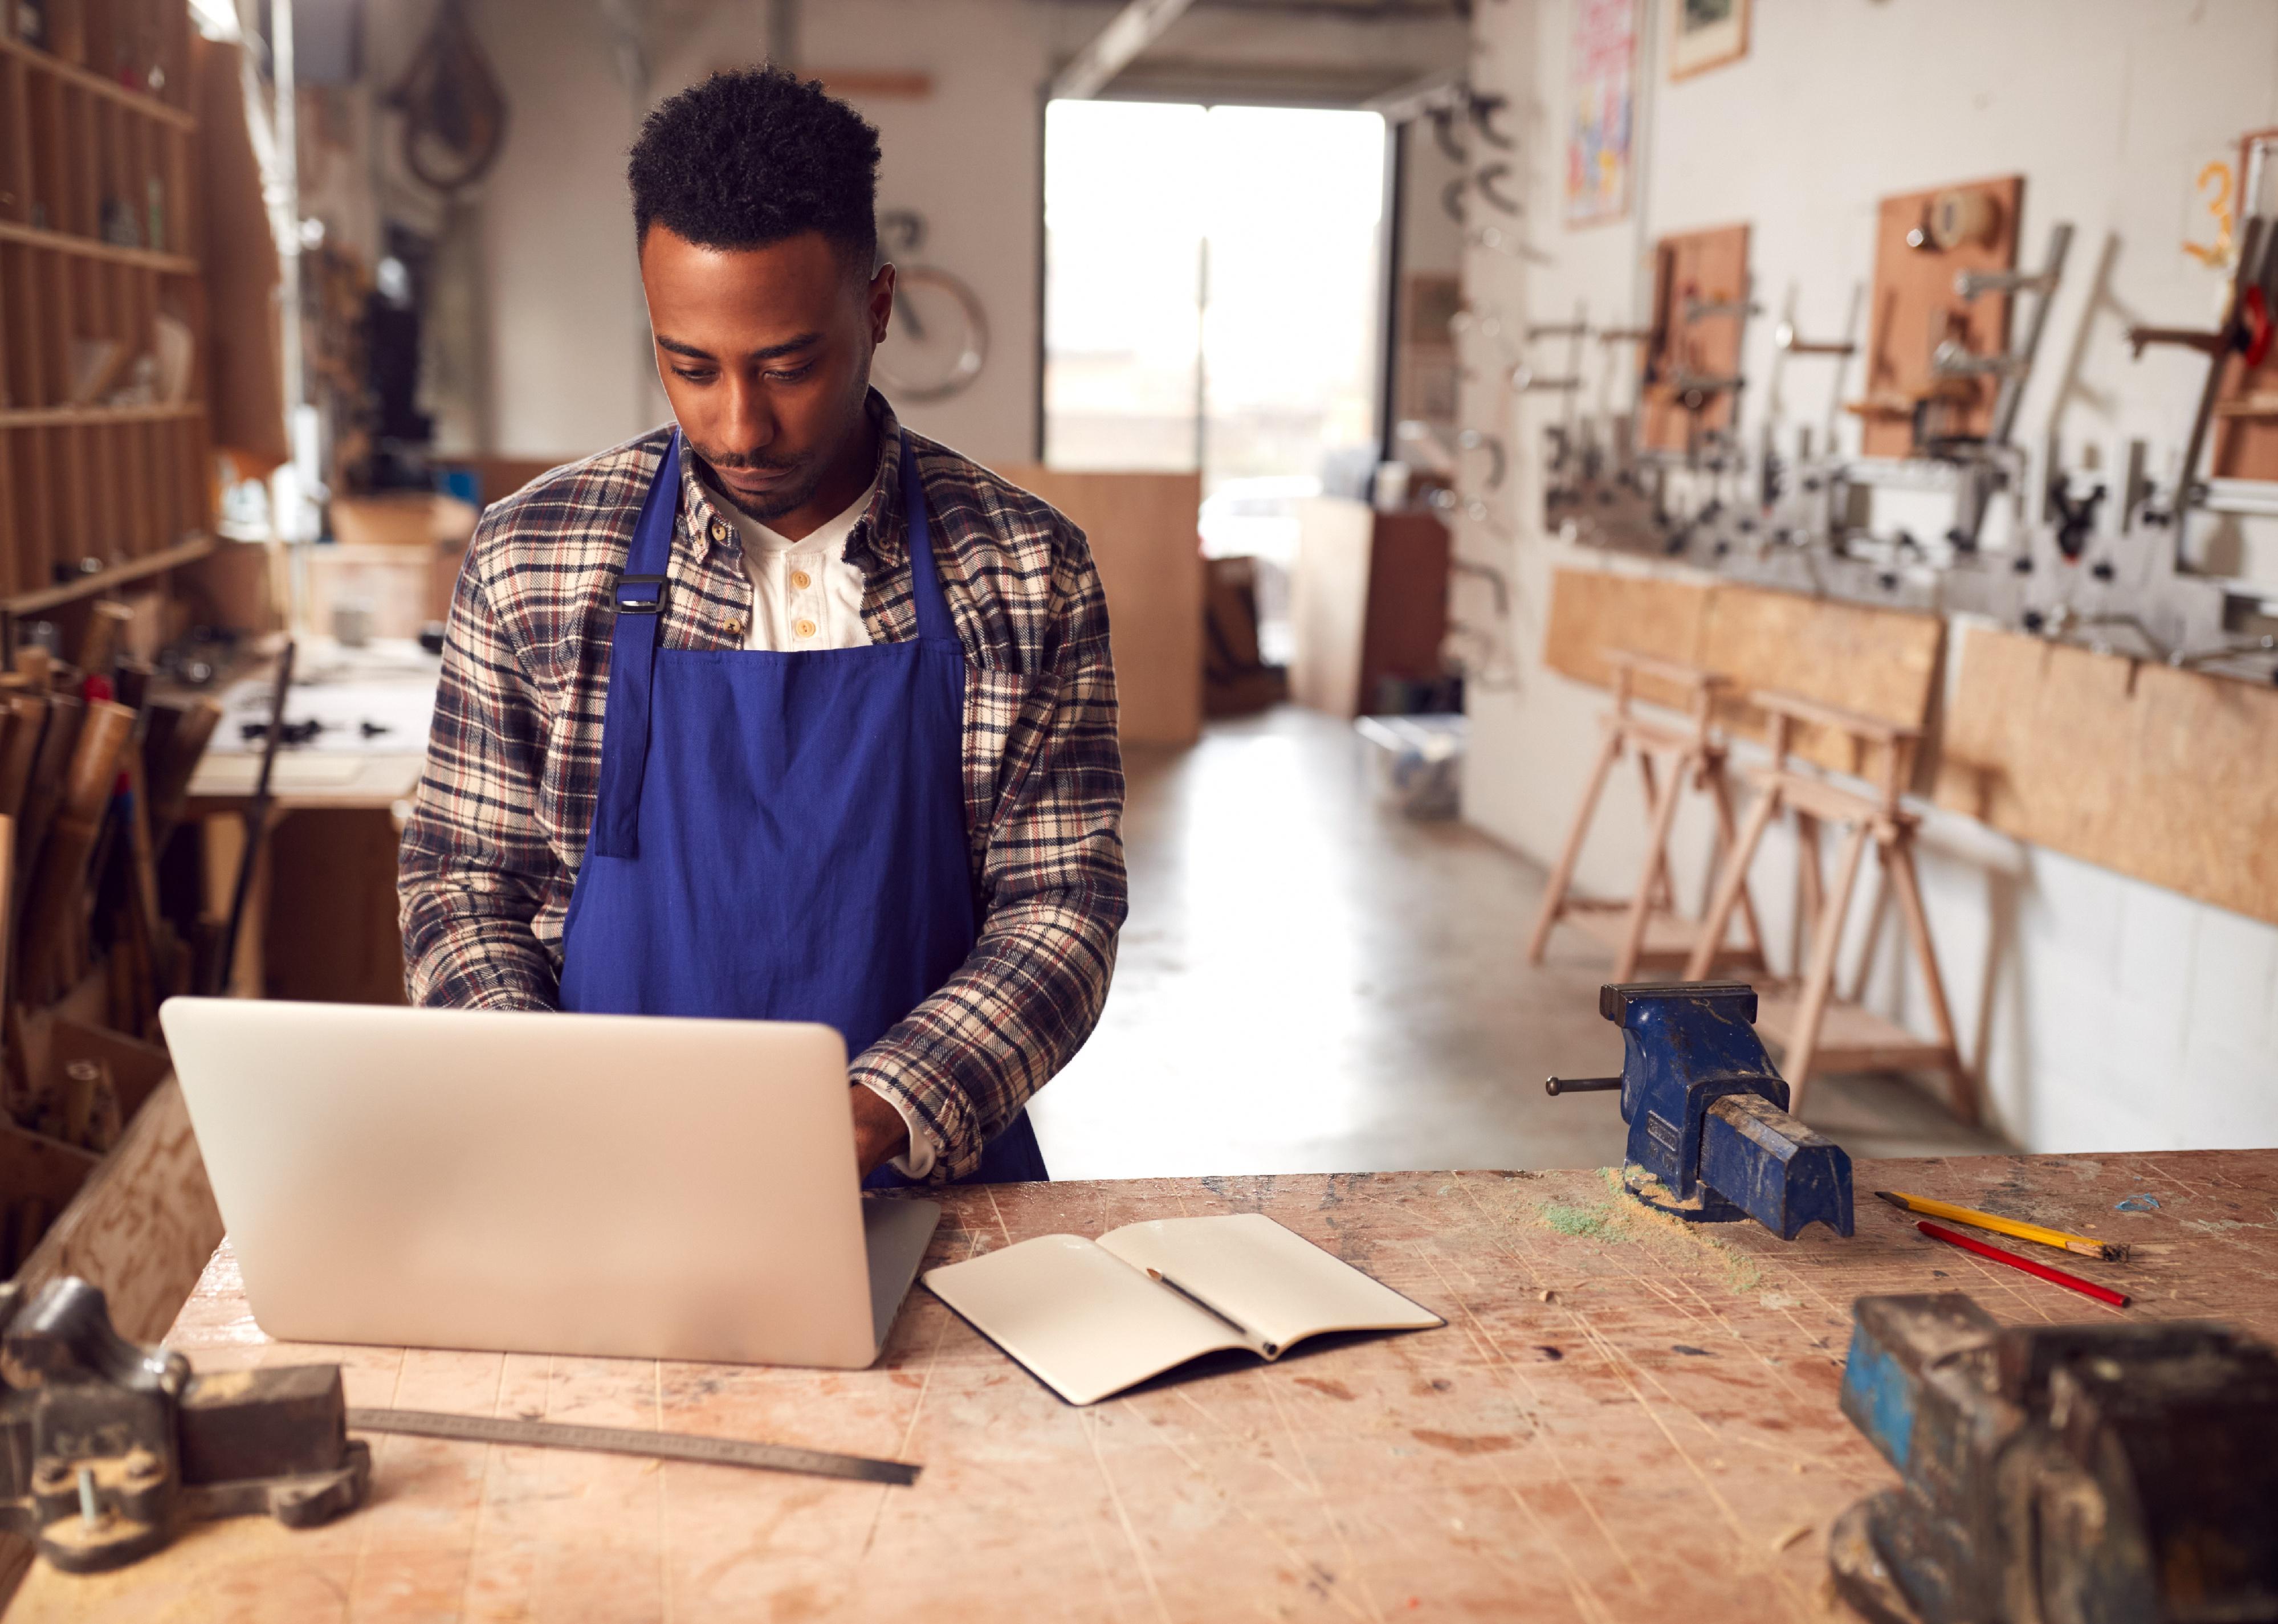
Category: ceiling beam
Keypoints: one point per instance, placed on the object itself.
(1134, 28)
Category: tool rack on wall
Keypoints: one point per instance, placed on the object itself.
(103, 445)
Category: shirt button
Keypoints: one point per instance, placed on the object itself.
(719, 530)
(735, 628)
(800, 580)
(805, 629)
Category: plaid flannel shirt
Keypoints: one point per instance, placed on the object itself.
(498, 829)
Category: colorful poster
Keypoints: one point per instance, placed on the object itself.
(1602, 68)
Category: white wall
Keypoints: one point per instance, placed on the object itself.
(570, 368)
(2108, 1014)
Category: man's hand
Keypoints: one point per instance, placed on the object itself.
(880, 1133)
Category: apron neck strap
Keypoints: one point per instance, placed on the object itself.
(639, 602)
(934, 622)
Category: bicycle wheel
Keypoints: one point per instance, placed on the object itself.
(938, 339)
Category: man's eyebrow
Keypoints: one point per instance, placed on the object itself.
(771, 352)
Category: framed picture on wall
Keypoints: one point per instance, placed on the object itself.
(1705, 34)
(1601, 56)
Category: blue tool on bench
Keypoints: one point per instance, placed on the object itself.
(1710, 1138)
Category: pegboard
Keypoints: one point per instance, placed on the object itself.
(1710, 267)
(1916, 308)
(2247, 409)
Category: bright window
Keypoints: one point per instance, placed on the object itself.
(1212, 301)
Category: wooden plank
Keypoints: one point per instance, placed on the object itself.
(47, 67)
(1142, 528)
(2167, 775)
(90, 247)
(1625, 1418)
(188, 551)
(144, 1223)
(1882, 663)
(1328, 603)
(75, 416)
(1916, 308)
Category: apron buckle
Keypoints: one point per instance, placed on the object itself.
(654, 604)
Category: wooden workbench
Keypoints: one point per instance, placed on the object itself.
(1621, 1418)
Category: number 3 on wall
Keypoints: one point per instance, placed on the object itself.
(2214, 185)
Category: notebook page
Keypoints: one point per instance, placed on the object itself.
(1085, 1324)
(1274, 1284)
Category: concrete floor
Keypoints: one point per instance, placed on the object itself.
(1312, 982)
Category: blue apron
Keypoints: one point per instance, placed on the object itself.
(779, 836)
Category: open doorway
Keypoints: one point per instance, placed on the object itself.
(1213, 301)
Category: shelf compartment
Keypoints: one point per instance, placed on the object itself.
(140, 102)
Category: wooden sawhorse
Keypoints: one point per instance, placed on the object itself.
(1816, 1031)
(1648, 932)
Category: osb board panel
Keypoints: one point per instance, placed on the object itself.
(1145, 541)
(144, 1225)
(1711, 266)
(2167, 775)
(1625, 1418)
(1593, 610)
(1916, 308)
(1883, 662)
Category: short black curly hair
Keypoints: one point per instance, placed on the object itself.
(753, 155)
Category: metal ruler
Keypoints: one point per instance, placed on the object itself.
(633, 1441)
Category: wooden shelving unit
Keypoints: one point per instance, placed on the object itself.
(103, 446)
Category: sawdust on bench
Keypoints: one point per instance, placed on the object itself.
(1619, 1219)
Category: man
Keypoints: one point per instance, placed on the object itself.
(787, 713)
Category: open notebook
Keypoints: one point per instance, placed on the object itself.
(1089, 1318)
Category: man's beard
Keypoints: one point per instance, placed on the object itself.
(785, 499)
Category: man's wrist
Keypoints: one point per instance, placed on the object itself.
(880, 1133)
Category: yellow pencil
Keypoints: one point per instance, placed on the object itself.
(2059, 1238)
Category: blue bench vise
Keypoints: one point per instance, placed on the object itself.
(1710, 1138)
(2101, 1473)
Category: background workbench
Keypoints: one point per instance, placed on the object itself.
(1621, 1415)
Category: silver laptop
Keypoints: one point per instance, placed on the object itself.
(630, 1185)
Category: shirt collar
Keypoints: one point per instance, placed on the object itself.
(879, 536)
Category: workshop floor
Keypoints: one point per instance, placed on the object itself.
(1311, 982)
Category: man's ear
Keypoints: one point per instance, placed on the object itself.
(879, 300)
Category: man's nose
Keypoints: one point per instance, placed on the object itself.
(749, 424)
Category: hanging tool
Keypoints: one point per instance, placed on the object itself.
(641, 1441)
(2059, 1473)
(99, 643)
(453, 112)
(2014, 367)
(107, 1448)
(1786, 342)
(1710, 1138)
(55, 913)
(257, 828)
(2244, 331)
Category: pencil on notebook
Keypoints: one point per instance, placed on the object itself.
(1924, 1206)
(2054, 1277)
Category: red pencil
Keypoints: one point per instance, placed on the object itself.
(2056, 1276)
